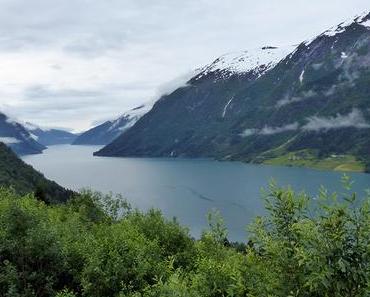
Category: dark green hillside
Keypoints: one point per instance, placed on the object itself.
(24, 179)
(315, 100)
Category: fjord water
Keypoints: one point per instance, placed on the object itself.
(183, 188)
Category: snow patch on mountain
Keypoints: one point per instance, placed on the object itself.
(362, 19)
(366, 24)
(256, 61)
(128, 119)
(30, 127)
(34, 137)
(344, 55)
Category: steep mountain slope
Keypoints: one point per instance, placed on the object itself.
(24, 179)
(50, 136)
(110, 130)
(17, 137)
(313, 104)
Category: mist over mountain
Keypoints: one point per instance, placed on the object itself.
(272, 105)
(51, 136)
(17, 137)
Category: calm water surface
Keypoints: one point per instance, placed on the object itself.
(186, 189)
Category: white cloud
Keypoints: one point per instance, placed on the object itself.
(249, 132)
(354, 119)
(123, 50)
(270, 130)
(275, 130)
(289, 100)
(172, 85)
(9, 140)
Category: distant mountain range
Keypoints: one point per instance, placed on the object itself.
(308, 106)
(29, 139)
(110, 130)
(50, 136)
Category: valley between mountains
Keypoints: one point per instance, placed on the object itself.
(305, 105)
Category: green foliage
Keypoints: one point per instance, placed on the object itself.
(122, 260)
(217, 228)
(30, 255)
(65, 293)
(317, 251)
(97, 246)
(174, 240)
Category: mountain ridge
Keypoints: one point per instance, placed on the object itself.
(110, 130)
(292, 109)
(50, 136)
(17, 137)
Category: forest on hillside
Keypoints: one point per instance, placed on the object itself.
(24, 179)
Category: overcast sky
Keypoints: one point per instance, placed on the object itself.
(75, 63)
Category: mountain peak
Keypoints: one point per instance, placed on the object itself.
(110, 130)
(257, 61)
(362, 19)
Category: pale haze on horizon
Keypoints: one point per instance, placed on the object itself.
(76, 63)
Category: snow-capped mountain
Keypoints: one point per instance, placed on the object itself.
(16, 136)
(362, 20)
(308, 103)
(110, 130)
(255, 62)
(48, 137)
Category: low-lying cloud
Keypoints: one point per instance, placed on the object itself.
(271, 130)
(174, 84)
(289, 100)
(354, 119)
(275, 130)
(9, 140)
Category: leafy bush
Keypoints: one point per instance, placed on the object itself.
(97, 246)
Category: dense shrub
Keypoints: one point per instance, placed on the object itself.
(97, 246)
